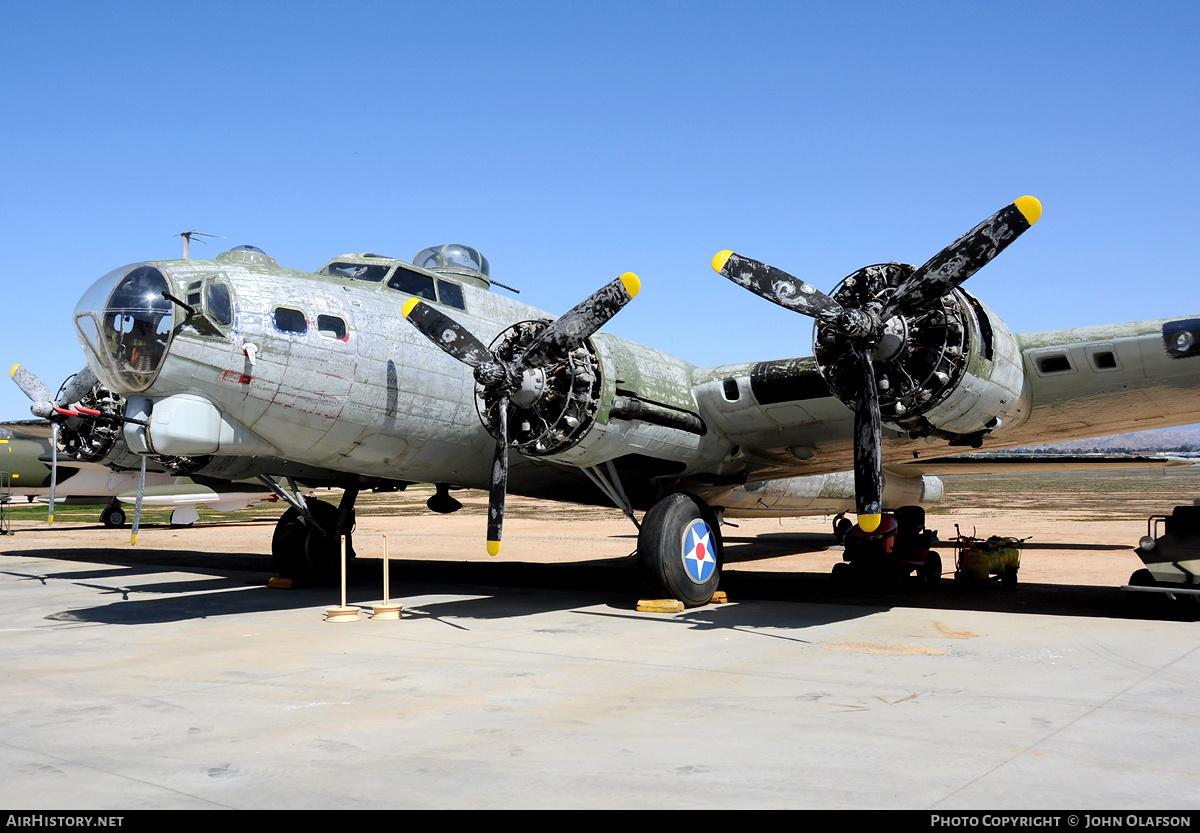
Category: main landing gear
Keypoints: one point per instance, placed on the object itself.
(679, 549)
(113, 515)
(306, 544)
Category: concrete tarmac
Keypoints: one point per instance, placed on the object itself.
(175, 679)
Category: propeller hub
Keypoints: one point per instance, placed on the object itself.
(859, 323)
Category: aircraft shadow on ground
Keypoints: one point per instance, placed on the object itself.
(234, 583)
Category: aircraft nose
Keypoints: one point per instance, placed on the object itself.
(125, 322)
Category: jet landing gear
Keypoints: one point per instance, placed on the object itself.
(113, 515)
(679, 549)
(306, 546)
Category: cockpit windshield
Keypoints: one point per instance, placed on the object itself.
(125, 321)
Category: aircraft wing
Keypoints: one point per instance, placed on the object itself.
(30, 427)
(988, 463)
(781, 419)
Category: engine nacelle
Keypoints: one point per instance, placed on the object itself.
(953, 370)
(608, 398)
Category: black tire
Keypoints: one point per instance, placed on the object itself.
(931, 571)
(1142, 578)
(842, 575)
(113, 517)
(324, 552)
(287, 545)
(840, 528)
(301, 552)
(680, 551)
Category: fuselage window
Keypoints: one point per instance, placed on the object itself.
(413, 283)
(217, 301)
(372, 272)
(1055, 364)
(289, 320)
(331, 326)
(451, 294)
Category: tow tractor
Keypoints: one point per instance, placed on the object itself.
(898, 546)
(1170, 549)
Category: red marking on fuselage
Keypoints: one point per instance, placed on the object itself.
(234, 376)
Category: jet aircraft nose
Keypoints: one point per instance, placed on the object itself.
(125, 322)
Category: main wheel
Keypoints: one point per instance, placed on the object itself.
(113, 517)
(324, 552)
(301, 552)
(287, 545)
(679, 550)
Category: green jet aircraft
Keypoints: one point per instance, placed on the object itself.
(375, 371)
(25, 471)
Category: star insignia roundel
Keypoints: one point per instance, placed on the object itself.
(699, 553)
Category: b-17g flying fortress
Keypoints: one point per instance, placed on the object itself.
(775, 260)
(374, 372)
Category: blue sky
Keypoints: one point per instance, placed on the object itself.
(573, 142)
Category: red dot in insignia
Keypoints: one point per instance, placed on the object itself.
(700, 551)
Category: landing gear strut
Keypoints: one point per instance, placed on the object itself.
(679, 549)
(308, 548)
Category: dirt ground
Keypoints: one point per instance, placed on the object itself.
(1081, 528)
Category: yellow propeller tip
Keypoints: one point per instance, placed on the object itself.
(633, 286)
(493, 547)
(1029, 207)
(133, 540)
(50, 521)
(720, 258)
(14, 368)
(408, 306)
(869, 523)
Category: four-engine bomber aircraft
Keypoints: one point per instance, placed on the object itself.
(241, 367)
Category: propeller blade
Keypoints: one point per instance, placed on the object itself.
(580, 322)
(447, 333)
(35, 389)
(777, 286)
(53, 470)
(868, 444)
(137, 506)
(964, 257)
(499, 480)
(77, 386)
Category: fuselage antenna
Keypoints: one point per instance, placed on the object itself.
(187, 240)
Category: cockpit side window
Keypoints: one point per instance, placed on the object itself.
(451, 294)
(288, 320)
(218, 304)
(413, 283)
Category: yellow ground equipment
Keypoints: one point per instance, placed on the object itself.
(996, 559)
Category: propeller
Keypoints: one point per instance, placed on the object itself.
(863, 326)
(54, 408)
(518, 380)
